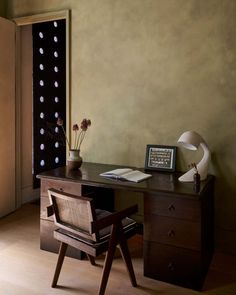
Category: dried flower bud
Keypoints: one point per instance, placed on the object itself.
(85, 124)
(89, 122)
(75, 127)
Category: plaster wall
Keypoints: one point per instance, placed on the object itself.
(2, 8)
(145, 71)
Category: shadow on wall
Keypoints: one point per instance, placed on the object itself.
(225, 205)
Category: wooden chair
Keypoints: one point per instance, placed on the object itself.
(91, 231)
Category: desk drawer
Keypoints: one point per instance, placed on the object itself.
(66, 186)
(172, 207)
(172, 264)
(172, 231)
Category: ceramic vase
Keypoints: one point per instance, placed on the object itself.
(74, 160)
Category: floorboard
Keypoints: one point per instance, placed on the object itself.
(25, 269)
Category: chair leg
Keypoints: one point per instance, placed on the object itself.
(108, 261)
(127, 258)
(61, 256)
(91, 259)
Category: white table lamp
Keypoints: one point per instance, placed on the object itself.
(192, 140)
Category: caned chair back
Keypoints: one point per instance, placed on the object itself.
(73, 213)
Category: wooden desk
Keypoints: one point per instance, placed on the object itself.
(178, 223)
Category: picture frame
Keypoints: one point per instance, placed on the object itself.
(160, 157)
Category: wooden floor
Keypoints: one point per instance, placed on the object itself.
(27, 270)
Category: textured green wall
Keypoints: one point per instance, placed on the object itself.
(2, 8)
(145, 71)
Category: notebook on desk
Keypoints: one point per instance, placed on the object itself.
(126, 174)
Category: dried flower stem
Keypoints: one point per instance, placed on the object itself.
(82, 138)
(66, 136)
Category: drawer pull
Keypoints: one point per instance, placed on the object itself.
(171, 233)
(61, 189)
(171, 266)
(171, 207)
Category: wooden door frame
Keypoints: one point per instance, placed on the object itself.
(30, 20)
(7, 105)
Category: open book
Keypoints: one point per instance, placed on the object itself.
(126, 174)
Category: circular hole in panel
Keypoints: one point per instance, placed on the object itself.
(41, 115)
(42, 146)
(56, 129)
(56, 160)
(56, 99)
(55, 53)
(41, 99)
(42, 163)
(56, 115)
(41, 83)
(56, 84)
(41, 35)
(41, 131)
(41, 67)
(56, 144)
(41, 51)
(56, 69)
(55, 39)
(55, 24)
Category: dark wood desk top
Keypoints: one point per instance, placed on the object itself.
(164, 182)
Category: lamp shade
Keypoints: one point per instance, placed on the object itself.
(192, 140)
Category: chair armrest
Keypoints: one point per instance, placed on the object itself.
(113, 218)
(50, 210)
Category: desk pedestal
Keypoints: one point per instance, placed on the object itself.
(178, 237)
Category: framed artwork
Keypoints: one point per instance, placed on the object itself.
(160, 157)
